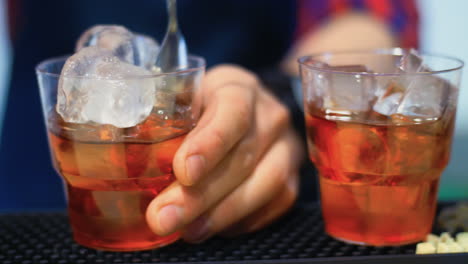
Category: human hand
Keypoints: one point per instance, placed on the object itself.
(237, 170)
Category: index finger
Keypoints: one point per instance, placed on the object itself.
(228, 114)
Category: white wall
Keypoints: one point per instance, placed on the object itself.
(445, 30)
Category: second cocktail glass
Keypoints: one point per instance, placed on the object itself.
(379, 130)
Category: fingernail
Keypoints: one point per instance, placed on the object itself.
(198, 230)
(169, 218)
(194, 167)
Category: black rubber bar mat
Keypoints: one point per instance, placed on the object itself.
(298, 237)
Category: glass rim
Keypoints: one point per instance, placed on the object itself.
(303, 61)
(41, 69)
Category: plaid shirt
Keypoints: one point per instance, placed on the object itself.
(400, 15)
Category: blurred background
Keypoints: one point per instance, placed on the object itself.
(441, 22)
(255, 34)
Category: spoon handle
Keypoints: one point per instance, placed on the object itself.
(172, 12)
(173, 53)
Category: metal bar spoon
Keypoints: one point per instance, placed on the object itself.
(173, 53)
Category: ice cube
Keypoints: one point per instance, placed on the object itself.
(425, 98)
(137, 49)
(422, 98)
(387, 105)
(314, 85)
(110, 37)
(411, 62)
(360, 152)
(350, 91)
(121, 205)
(145, 50)
(96, 86)
(389, 96)
(425, 95)
(390, 91)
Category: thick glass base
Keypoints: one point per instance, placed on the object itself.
(380, 243)
(124, 245)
